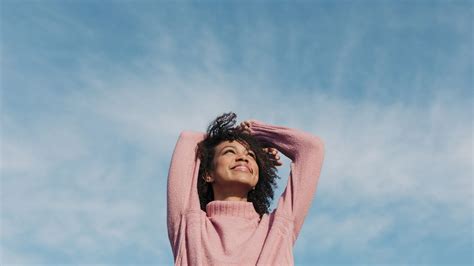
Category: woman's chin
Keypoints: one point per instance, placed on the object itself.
(245, 183)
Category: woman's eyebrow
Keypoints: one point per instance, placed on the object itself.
(228, 146)
(235, 148)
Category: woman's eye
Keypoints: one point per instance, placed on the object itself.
(253, 155)
(227, 151)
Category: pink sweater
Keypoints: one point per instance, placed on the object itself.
(231, 232)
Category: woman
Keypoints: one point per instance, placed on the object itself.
(220, 185)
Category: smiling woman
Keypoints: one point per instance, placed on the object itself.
(226, 147)
(220, 185)
(235, 171)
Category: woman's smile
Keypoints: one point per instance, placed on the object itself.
(242, 167)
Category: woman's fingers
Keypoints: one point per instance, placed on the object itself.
(274, 153)
(245, 126)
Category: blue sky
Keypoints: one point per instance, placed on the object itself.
(95, 93)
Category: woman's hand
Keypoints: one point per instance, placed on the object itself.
(245, 126)
(274, 153)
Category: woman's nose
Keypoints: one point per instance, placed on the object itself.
(242, 157)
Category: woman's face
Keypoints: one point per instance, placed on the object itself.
(234, 164)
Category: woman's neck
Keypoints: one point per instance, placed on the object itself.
(229, 198)
(230, 194)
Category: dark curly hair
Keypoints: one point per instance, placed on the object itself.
(223, 129)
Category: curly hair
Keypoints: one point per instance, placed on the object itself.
(223, 129)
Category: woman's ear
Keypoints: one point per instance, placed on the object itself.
(208, 178)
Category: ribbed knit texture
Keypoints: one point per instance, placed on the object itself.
(231, 208)
(232, 232)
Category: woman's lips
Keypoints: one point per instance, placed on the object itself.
(242, 168)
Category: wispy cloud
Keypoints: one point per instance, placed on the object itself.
(391, 170)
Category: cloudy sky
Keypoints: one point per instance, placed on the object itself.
(95, 93)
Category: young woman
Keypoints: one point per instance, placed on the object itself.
(220, 185)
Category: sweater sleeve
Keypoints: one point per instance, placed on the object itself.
(306, 153)
(182, 184)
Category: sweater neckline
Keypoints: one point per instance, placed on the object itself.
(242, 209)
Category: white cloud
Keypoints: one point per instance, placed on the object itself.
(353, 234)
(386, 166)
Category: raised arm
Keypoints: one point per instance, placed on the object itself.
(306, 153)
(182, 191)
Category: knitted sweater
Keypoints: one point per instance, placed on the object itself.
(232, 232)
